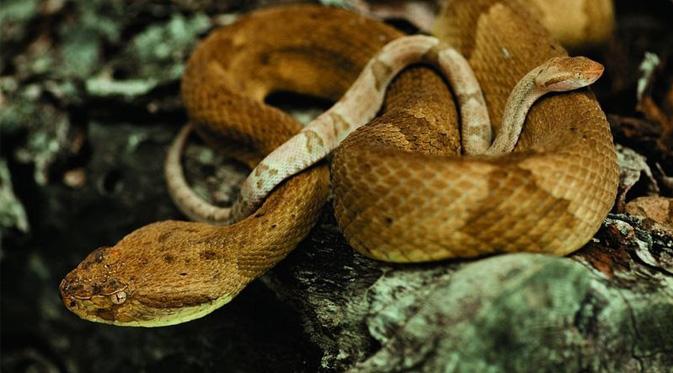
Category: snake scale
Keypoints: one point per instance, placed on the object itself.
(402, 190)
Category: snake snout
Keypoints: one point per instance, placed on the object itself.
(71, 287)
(65, 289)
(561, 74)
(587, 69)
(73, 293)
(92, 290)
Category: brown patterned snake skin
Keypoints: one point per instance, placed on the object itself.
(401, 189)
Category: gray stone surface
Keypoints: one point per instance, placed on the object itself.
(608, 307)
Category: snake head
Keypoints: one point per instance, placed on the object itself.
(561, 74)
(161, 274)
(92, 289)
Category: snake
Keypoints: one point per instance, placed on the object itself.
(404, 189)
(360, 104)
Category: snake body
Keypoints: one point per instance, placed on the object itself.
(402, 191)
(363, 100)
(356, 107)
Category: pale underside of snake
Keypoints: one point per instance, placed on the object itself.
(402, 190)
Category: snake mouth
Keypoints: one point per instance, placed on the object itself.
(103, 308)
(116, 296)
(593, 71)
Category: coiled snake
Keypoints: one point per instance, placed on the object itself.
(402, 190)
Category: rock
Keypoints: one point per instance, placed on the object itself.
(12, 213)
(503, 313)
(657, 211)
(633, 169)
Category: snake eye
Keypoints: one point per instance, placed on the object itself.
(118, 297)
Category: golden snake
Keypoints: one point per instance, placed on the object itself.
(402, 190)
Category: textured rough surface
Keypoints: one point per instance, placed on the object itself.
(581, 313)
(12, 214)
(657, 212)
(633, 170)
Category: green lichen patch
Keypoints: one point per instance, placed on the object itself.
(12, 213)
(43, 127)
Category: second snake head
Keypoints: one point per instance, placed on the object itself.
(560, 74)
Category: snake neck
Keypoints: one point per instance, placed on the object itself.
(519, 102)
